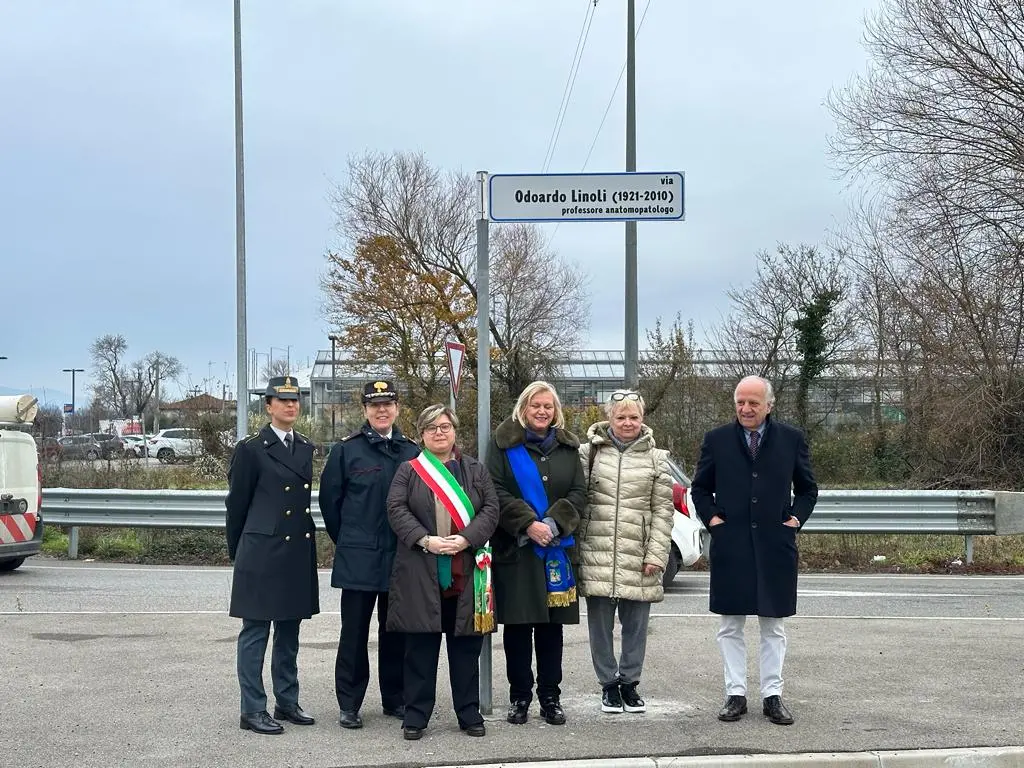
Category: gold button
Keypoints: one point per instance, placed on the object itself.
(306, 486)
(287, 538)
(287, 511)
(287, 487)
(307, 535)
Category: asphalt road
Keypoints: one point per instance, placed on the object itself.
(126, 665)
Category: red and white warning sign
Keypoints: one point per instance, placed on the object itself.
(456, 354)
(17, 527)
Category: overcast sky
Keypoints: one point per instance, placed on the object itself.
(117, 155)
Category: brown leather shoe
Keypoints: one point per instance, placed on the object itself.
(776, 711)
(735, 707)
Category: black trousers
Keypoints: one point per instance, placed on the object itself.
(284, 674)
(422, 650)
(519, 641)
(352, 666)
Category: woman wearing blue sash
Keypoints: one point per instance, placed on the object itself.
(537, 473)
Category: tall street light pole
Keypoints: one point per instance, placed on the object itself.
(241, 412)
(73, 371)
(632, 345)
(334, 382)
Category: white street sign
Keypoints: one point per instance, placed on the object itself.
(586, 197)
(456, 354)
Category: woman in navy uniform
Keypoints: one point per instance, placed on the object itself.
(270, 534)
(353, 495)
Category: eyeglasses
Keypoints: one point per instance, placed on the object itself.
(433, 429)
(617, 396)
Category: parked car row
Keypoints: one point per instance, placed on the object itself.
(167, 445)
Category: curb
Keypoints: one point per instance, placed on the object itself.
(980, 757)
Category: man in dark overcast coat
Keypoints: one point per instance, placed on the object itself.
(753, 489)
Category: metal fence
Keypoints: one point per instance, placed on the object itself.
(965, 513)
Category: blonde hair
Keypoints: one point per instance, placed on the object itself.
(621, 398)
(533, 388)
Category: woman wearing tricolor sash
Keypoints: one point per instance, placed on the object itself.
(443, 509)
(539, 478)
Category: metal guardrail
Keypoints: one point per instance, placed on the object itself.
(942, 512)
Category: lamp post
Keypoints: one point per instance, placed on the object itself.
(334, 380)
(73, 371)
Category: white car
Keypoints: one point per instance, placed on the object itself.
(135, 446)
(169, 445)
(689, 537)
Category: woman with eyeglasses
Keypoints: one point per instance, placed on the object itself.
(625, 538)
(443, 509)
(536, 468)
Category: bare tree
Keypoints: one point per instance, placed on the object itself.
(759, 335)
(428, 217)
(938, 120)
(126, 389)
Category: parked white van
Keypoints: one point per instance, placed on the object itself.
(21, 522)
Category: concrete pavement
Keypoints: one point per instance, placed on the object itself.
(108, 665)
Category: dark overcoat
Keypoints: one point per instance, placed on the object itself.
(753, 556)
(353, 502)
(414, 600)
(270, 530)
(520, 588)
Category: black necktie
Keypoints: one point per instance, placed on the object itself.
(288, 443)
(755, 443)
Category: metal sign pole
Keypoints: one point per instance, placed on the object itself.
(483, 401)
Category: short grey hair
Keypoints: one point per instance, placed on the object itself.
(617, 403)
(432, 413)
(769, 390)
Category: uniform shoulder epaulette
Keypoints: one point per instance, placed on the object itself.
(250, 438)
(346, 438)
(300, 435)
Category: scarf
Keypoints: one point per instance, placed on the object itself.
(450, 494)
(558, 573)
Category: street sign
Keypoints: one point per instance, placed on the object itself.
(456, 354)
(69, 408)
(586, 197)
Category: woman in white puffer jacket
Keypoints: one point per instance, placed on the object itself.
(624, 540)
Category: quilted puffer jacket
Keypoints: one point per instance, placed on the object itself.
(628, 517)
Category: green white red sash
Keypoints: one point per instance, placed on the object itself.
(451, 495)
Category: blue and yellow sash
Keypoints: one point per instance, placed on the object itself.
(557, 568)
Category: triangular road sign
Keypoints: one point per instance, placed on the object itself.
(456, 354)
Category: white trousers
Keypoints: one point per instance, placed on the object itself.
(734, 655)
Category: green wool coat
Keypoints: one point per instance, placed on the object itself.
(520, 590)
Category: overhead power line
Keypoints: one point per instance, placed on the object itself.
(615, 90)
(570, 83)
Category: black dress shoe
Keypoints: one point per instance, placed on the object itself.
(260, 722)
(518, 712)
(475, 730)
(350, 719)
(294, 715)
(398, 711)
(412, 733)
(552, 712)
(735, 707)
(776, 711)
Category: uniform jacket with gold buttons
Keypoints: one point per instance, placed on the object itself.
(270, 529)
